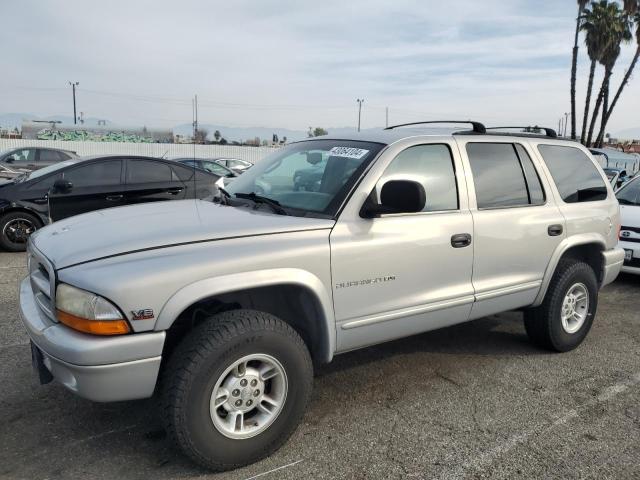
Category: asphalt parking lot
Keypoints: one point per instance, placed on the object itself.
(472, 401)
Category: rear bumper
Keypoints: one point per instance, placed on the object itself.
(103, 369)
(612, 261)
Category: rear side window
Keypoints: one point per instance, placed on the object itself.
(576, 177)
(144, 171)
(95, 174)
(504, 176)
(432, 166)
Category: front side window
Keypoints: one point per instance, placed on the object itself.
(630, 193)
(95, 174)
(431, 166)
(314, 176)
(215, 168)
(22, 156)
(499, 176)
(575, 175)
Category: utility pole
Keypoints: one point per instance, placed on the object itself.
(386, 117)
(194, 107)
(73, 87)
(360, 102)
(566, 118)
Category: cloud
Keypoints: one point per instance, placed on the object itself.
(293, 64)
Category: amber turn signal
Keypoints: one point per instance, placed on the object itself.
(94, 327)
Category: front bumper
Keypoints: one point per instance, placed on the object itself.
(613, 260)
(633, 265)
(103, 369)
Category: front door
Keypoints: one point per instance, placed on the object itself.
(94, 185)
(402, 274)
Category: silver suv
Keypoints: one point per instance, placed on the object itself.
(223, 309)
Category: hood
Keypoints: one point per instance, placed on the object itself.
(117, 231)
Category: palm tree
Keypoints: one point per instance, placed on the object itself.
(612, 32)
(574, 66)
(632, 8)
(593, 23)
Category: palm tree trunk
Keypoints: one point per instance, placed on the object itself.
(625, 80)
(603, 122)
(596, 110)
(585, 119)
(574, 68)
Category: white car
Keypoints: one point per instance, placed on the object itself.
(629, 199)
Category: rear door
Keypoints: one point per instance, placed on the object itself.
(152, 181)
(94, 185)
(517, 226)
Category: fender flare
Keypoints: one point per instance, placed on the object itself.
(561, 249)
(201, 289)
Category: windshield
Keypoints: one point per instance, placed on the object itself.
(312, 176)
(630, 193)
(46, 170)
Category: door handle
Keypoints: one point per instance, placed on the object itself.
(114, 198)
(460, 240)
(555, 230)
(174, 190)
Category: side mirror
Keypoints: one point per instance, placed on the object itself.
(10, 159)
(62, 186)
(314, 158)
(396, 196)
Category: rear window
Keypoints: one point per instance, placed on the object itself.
(575, 175)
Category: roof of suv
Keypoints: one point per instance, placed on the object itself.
(395, 133)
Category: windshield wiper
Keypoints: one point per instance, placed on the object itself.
(274, 204)
(224, 198)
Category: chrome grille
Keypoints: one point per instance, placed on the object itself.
(42, 278)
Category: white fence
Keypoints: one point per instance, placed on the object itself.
(168, 150)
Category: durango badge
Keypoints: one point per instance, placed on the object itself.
(144, 314)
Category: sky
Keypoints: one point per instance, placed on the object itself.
(294, 64)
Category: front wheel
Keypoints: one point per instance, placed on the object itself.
(564, 318)
(15, 229)
(236, 388)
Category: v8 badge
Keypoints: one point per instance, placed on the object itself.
(144, 314)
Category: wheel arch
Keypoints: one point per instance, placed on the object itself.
(296, 296)
(11, 208)
(587, 247)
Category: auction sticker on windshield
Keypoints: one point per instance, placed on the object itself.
(348, 152)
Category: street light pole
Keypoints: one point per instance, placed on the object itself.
(360, 102)
(73, 87)
(566, 118)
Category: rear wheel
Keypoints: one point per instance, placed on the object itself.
(236, 388)
(15, 229)
(564, 318)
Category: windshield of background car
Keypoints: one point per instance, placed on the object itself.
(313, 176)
(630, 193)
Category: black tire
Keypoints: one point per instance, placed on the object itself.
(8, 243)
(201, 359)
(543, 323)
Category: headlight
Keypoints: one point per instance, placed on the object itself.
(89, 313)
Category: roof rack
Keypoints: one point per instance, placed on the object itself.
(477, 126)
(548, 132)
